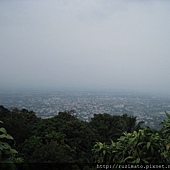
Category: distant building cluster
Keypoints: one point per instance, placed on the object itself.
(85, 104)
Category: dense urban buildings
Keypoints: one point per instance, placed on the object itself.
(84, 104)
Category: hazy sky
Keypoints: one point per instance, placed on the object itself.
(105, 44)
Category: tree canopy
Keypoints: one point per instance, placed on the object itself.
(66, 139)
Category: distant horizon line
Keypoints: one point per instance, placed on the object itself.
(74, 89)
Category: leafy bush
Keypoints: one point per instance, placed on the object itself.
(144, 146)
(6, 151)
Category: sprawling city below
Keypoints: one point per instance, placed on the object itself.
(84, 104)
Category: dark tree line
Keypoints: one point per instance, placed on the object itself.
(66, 139)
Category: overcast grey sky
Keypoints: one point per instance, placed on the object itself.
(106, 44)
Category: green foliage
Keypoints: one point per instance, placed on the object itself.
(66, 139)
(165, 134)
(69, 136)
(43, 140)
(101, 152)
(110, 127)
(19, 123)
(6, 151)
(53, 152)
(137, 147)
(166, 127)
(144, 146)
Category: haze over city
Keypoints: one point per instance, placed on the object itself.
(91, 44)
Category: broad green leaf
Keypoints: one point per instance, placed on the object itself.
(167, 114)
(148, 145)
(167, 146)
(9, 137)
(129, 157)
(140, 143)
(134, 162)
(145, 161)
(4, 145)
(3, 130)
(138, 160)
(3, 136)
(13, 151)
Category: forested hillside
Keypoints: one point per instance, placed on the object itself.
(27, 140)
